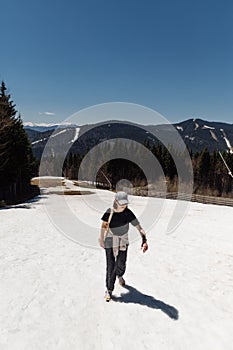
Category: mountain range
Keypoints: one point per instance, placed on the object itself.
(197, 134)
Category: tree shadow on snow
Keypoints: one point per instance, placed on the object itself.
(24, 205)
(135, 297)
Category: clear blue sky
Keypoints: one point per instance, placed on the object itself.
(173, 56)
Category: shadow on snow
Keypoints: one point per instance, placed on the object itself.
(25, 205)
(135, 297)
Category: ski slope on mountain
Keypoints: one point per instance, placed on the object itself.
(178, 294)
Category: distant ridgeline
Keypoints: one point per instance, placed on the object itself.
(203, 140)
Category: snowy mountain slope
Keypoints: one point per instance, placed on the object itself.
(42, 127)
(196, 134)
(178, 295)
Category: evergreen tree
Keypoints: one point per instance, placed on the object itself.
(17, 164)
(203, 167)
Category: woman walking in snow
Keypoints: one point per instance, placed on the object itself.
(114, 239)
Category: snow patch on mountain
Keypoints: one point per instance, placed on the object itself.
(191, 138)
(179, 128)
(196, 125)
(227, 141)
(46, 138)
(59, 133)
(213, 135)
(76, 135)
(38, 141)
(208, 127)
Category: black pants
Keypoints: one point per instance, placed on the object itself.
(115, 266)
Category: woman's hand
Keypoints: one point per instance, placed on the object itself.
(101, 243)
(144, 247)
(104, 228)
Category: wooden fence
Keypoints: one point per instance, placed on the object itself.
(168, 195)
(188, 197)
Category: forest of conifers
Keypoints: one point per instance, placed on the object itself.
(210, 175)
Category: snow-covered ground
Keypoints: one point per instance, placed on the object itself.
(178, 294)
